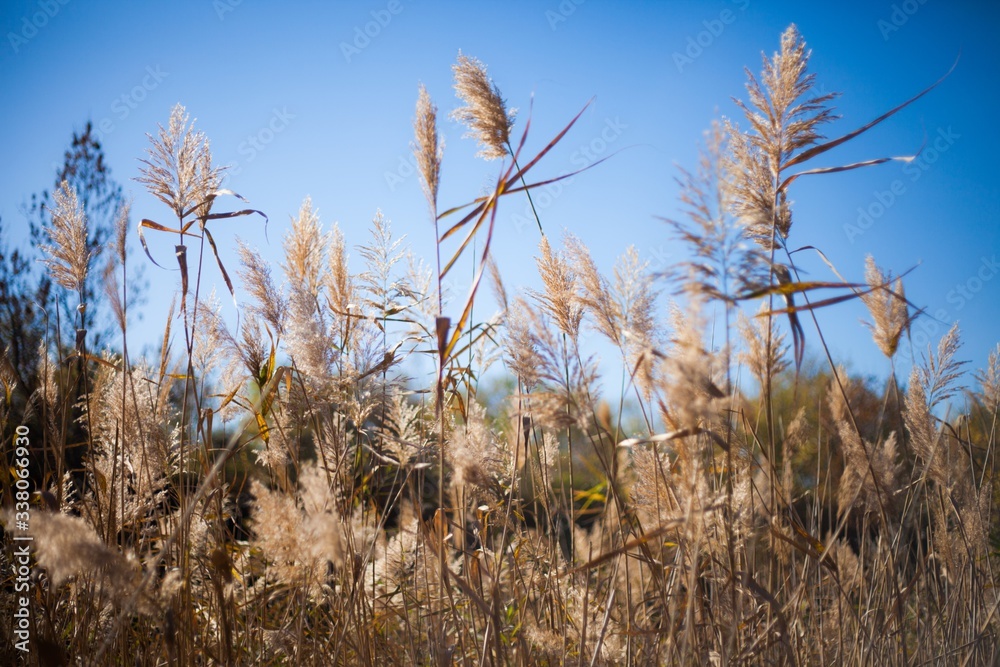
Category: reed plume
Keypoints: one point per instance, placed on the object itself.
(178, 170)
(765, 352)
(989, 379)
(352, 515)
(886, 302)
(559, 300)
(722, 263)
(428, 147)
(68, 256)
(485, 112)
(785, 119)
(269, 302)
(938, 373)
(303, 245)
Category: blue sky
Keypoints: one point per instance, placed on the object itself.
(301, 102)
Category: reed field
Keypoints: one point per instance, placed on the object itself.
(327, 481)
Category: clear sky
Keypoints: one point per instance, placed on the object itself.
(330, 110)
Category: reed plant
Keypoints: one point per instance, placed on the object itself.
(292, 490)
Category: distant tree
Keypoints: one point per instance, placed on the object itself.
(37, 318)
(23, 297)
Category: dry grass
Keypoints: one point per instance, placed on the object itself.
(485, 112)
(67, 255)
(285, 494)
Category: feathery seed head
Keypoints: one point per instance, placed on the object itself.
(690, 371)
(212, 339)
(989, 379)
(67, 546)
(121, 228)
(937, 373)
(887, 306)
(595, 294)
(303, 246)
(68, 256)
(256, 274)
(340, 288)
(723, 260)
(179, 170)
(520, 345)
(637, 297)
(763, 361)
(862, 459)
(485, 111)
(428, 148)
(785, 119)
(925, 438)
(559, 299)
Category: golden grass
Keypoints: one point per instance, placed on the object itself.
(285, 494)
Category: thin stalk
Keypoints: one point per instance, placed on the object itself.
(526, 190)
